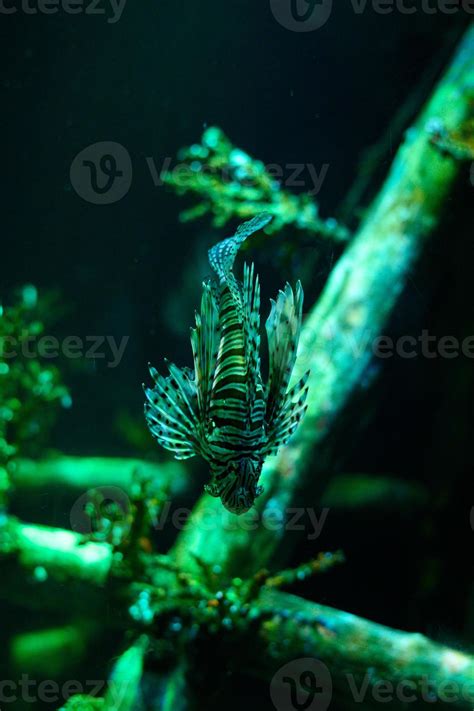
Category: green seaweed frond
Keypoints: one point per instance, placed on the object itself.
(31, 391)
(229, 184)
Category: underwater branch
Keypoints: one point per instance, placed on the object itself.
(368, 662)
(360, 296)
(360, 654)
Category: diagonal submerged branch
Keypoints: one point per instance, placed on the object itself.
(365, 661)
(359, 298)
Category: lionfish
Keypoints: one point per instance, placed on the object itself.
(221, 409)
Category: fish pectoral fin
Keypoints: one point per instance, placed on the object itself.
(251, 313)
(171, 412)
(205, 346)
(290, 415)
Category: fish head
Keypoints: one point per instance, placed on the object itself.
(242, 485)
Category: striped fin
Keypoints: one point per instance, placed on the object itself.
(283, 327)
(205, 345)
(251, 306)
(171, 411)
(290, 416)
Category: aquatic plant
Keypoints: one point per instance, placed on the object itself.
(31, 391)
(182, 613)
(228, 184)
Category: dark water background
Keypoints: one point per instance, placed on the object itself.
(151, 82)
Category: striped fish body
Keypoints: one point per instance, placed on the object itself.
(234, 408)
(222, 410)
(237, 402)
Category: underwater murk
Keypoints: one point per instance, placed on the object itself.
(288, 524)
